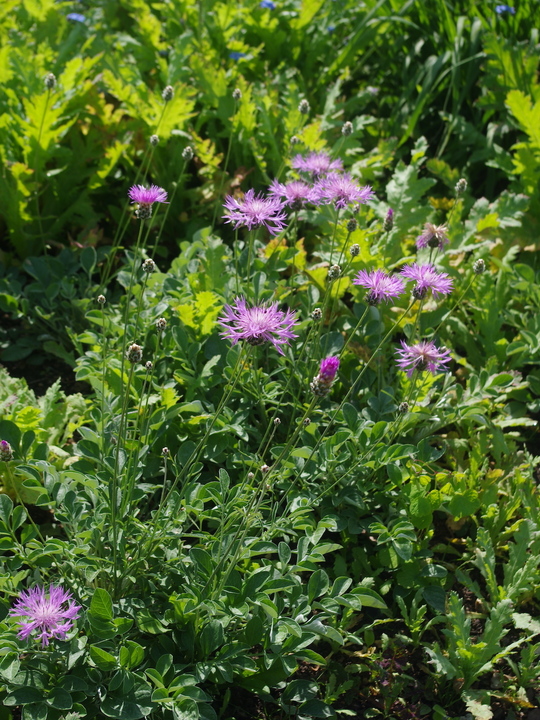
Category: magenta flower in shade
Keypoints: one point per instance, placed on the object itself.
(381, 286)
(434, 236)
(257, 325)
(296, 194)
(427, 278)
(145, 197)
(342, 190)
(423, 356)
(255, 210)
(316, 163)
(49, 613)
(321, 383)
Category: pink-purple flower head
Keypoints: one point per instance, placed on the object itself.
(48, 613)
(257, 325)
(425, 355)
(295, 194)
(321, 383)
(427, 278)
(316, 163)
(255, 210)
(434, 236)
(145, 197)
(342, 190)
(381, 286)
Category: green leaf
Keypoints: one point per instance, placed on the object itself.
(60, 699)
(103, 659)
(9, 666)
(318, 584)
(131, 655)
(101, 605)
(211, 637)
(316, 708)
(23, 696)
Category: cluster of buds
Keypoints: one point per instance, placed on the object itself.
(6, 452)
(321, 383)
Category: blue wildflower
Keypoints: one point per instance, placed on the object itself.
(268, 4)
(76, 17)
(235, 55)
(502, 9)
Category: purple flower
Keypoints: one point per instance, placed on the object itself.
(343, 191)
(145, 197)
(381, 285)
(257, 325)
(255, 210)
(268, 4)
(427, 278)
(235, 55)
(434, 236)
(321, 383)
(296, 193)
(316, 163)
(76, 17)
(46, 613)
(423, 356)
(502, 9)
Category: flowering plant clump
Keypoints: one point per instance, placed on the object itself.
(255, 210)
(427, 278)
(316, 163)
(257, 325)
(50, 613)
(423, 356)
(381, 286)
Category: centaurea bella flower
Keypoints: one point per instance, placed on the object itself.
(316, 163)
(425, 355)
(295, 194)
(255, 210)
(381, 286)
(321, 383)
(50, 613)
(145, 197)
(427, 278)
(342, 190)
(257, 325)
(434, 236)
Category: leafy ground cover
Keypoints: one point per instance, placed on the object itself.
(279, 263)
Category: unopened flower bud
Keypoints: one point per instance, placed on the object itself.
(277, 421)
(352, 225)
(6, 452)
(167, 93)
(479, 267)
(354, 250)
(295, 140)
(187, 152)
(316, 313)
(161, 324)
(321, 384)
(134, 353)
(419, 293)
(50, 81)
(303, 107)
(237, 94)
(165, 451)
(388, 223)
(403, 407)
(250, 475)
(461, 186)
(101, 299)
(334, 272)
(307, 421)
(149, 266)
(347, 128)
(265, 469)
(149, 365)
(154, 140)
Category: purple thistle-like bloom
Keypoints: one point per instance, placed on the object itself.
(342, 190)
(427, 278)
(321, 383)
(257, 325)
(255, 210)
(425, 355)
(316, 163)
(381, 286)
(46, 612)
(145, 197)
(296, 193)
(434, 236)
